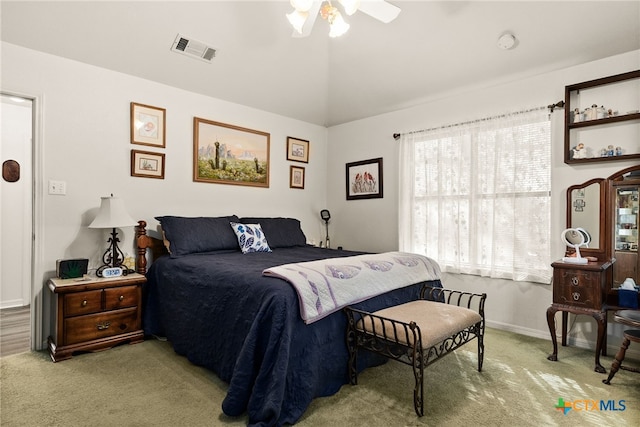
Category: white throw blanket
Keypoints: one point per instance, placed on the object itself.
(325, 286)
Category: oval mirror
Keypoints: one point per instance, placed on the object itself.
(575, 238)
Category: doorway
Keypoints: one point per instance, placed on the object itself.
(16, 220)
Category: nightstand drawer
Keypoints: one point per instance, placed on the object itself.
(577, 287)
(124, 296)
(80, 303)
(101, 325)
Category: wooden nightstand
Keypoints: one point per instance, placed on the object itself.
(580, 289)
(91, 314)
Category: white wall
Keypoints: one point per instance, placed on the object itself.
(372, 224)
(85, 142)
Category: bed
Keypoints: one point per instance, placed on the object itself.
(213, 303)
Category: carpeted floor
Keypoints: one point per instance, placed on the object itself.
(147, 384)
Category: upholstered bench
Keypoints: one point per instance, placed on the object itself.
(418, 333)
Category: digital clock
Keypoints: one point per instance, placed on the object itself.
(112, 272)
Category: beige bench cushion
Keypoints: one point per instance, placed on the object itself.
(437, 321)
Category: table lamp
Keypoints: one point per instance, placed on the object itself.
(112, 214)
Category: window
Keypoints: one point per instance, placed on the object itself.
(475, 197)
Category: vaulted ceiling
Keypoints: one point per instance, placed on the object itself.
(432, 49)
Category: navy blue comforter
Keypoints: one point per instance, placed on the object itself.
(221, 313)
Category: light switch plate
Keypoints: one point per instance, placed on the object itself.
(57, 187)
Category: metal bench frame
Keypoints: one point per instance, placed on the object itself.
(414, 354)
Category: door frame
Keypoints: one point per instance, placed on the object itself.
(37, 216)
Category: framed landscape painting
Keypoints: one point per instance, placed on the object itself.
(228, 154)
(364, 179)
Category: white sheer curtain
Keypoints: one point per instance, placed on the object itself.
(476, 197)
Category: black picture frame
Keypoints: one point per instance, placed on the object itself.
(364, 179)
(297, 149)
(296, 177)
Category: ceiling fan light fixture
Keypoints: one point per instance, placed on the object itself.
(297, 19)
(302, 5)
(337, 25)
(350, 6)
(306, 12)
(328, 11)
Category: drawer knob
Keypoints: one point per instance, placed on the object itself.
(576, 296)
(84, 302)
(575, 281)
(121, 298)
(102, 326)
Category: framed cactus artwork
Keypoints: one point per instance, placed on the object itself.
(229, 154)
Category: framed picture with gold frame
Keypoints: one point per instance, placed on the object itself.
(296, 177)
(228, 154)
(148, 125)
(147, 164)
(297, 150)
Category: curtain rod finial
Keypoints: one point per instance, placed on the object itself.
(559, 104)
(396, 136)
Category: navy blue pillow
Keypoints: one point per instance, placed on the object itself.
(280, 232)
(200, 234)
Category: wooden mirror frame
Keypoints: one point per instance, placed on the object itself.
(601, 251)
(605, 244)
(621, 174)
(616, 177)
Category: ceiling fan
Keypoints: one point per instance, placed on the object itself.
(305, 13)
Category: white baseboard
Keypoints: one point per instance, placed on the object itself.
(612, 347)
(12, 303)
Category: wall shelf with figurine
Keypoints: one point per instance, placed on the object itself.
(602, 119)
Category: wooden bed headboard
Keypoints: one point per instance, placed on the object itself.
(144, 242)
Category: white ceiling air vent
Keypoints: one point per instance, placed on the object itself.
(193, 48)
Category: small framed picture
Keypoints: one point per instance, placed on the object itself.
(364, 179)
(147, 164)
(297, 150)
(296, 177)
(147, 125)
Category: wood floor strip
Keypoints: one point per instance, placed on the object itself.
(15, 336)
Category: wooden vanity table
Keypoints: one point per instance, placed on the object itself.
(606, 209)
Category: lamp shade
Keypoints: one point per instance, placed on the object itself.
(112, 214)
(297, 19)
(337, 25)
(302, 5)
(350, 6)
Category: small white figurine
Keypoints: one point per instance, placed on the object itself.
(577, 116)
(579, 152)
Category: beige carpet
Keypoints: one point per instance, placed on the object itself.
(147, 384)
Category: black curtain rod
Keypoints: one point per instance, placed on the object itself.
(551, 107)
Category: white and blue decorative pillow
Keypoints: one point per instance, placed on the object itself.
(250, 237)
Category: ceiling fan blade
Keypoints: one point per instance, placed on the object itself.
(380, 10)
(314, 11)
